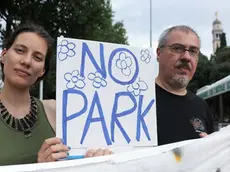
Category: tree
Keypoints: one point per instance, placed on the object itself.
(222, 56)
(201, 76)
(223, 42)
(221, 65)
(85, 19)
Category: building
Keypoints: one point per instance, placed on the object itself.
(217, 30)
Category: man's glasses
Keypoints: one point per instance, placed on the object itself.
(180, 49)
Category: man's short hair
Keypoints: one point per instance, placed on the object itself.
(165, 35)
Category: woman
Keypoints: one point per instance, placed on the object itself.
(27, 125)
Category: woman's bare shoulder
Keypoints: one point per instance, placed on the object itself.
(50, 108)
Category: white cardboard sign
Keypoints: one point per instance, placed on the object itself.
(105, 94)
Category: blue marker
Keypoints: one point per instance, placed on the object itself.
(73, 157)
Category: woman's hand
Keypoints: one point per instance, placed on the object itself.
(52, 149)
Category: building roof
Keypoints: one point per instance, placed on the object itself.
(217, 21)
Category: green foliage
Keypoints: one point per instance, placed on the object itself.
(85, 19)
(210, 71)
(201, 76)
(220, 65)
(223, 55)
(223, 42)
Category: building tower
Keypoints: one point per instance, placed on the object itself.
(217, 30)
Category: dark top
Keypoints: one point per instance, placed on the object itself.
(181, 117)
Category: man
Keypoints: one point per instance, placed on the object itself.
(181, 115)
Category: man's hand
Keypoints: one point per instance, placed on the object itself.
(52, 149)
(203, 134)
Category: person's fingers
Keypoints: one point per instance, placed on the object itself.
(49, 146)
(203, 134)
(54, 149)
(107, 152)
(99, 152)
(51, 141)
(55, 156)
(90, 153)
(110, 152)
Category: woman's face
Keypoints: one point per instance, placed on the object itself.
(24, 61)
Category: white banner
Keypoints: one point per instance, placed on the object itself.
(210, 154)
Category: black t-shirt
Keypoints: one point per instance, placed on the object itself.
(181, 117)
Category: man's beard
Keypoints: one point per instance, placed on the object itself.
(179, 81)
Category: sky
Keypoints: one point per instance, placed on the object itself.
(198, 14)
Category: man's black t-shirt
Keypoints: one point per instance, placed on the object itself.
(181, 117)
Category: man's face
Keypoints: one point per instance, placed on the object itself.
(177, 66)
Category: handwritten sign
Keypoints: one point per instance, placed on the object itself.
(105, 94)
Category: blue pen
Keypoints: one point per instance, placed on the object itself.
(73, 157)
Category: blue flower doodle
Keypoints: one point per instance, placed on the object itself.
(124, 63)
(137, 87)
(65, 49)
(74, 80)
(145, 56)
(98, 80)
